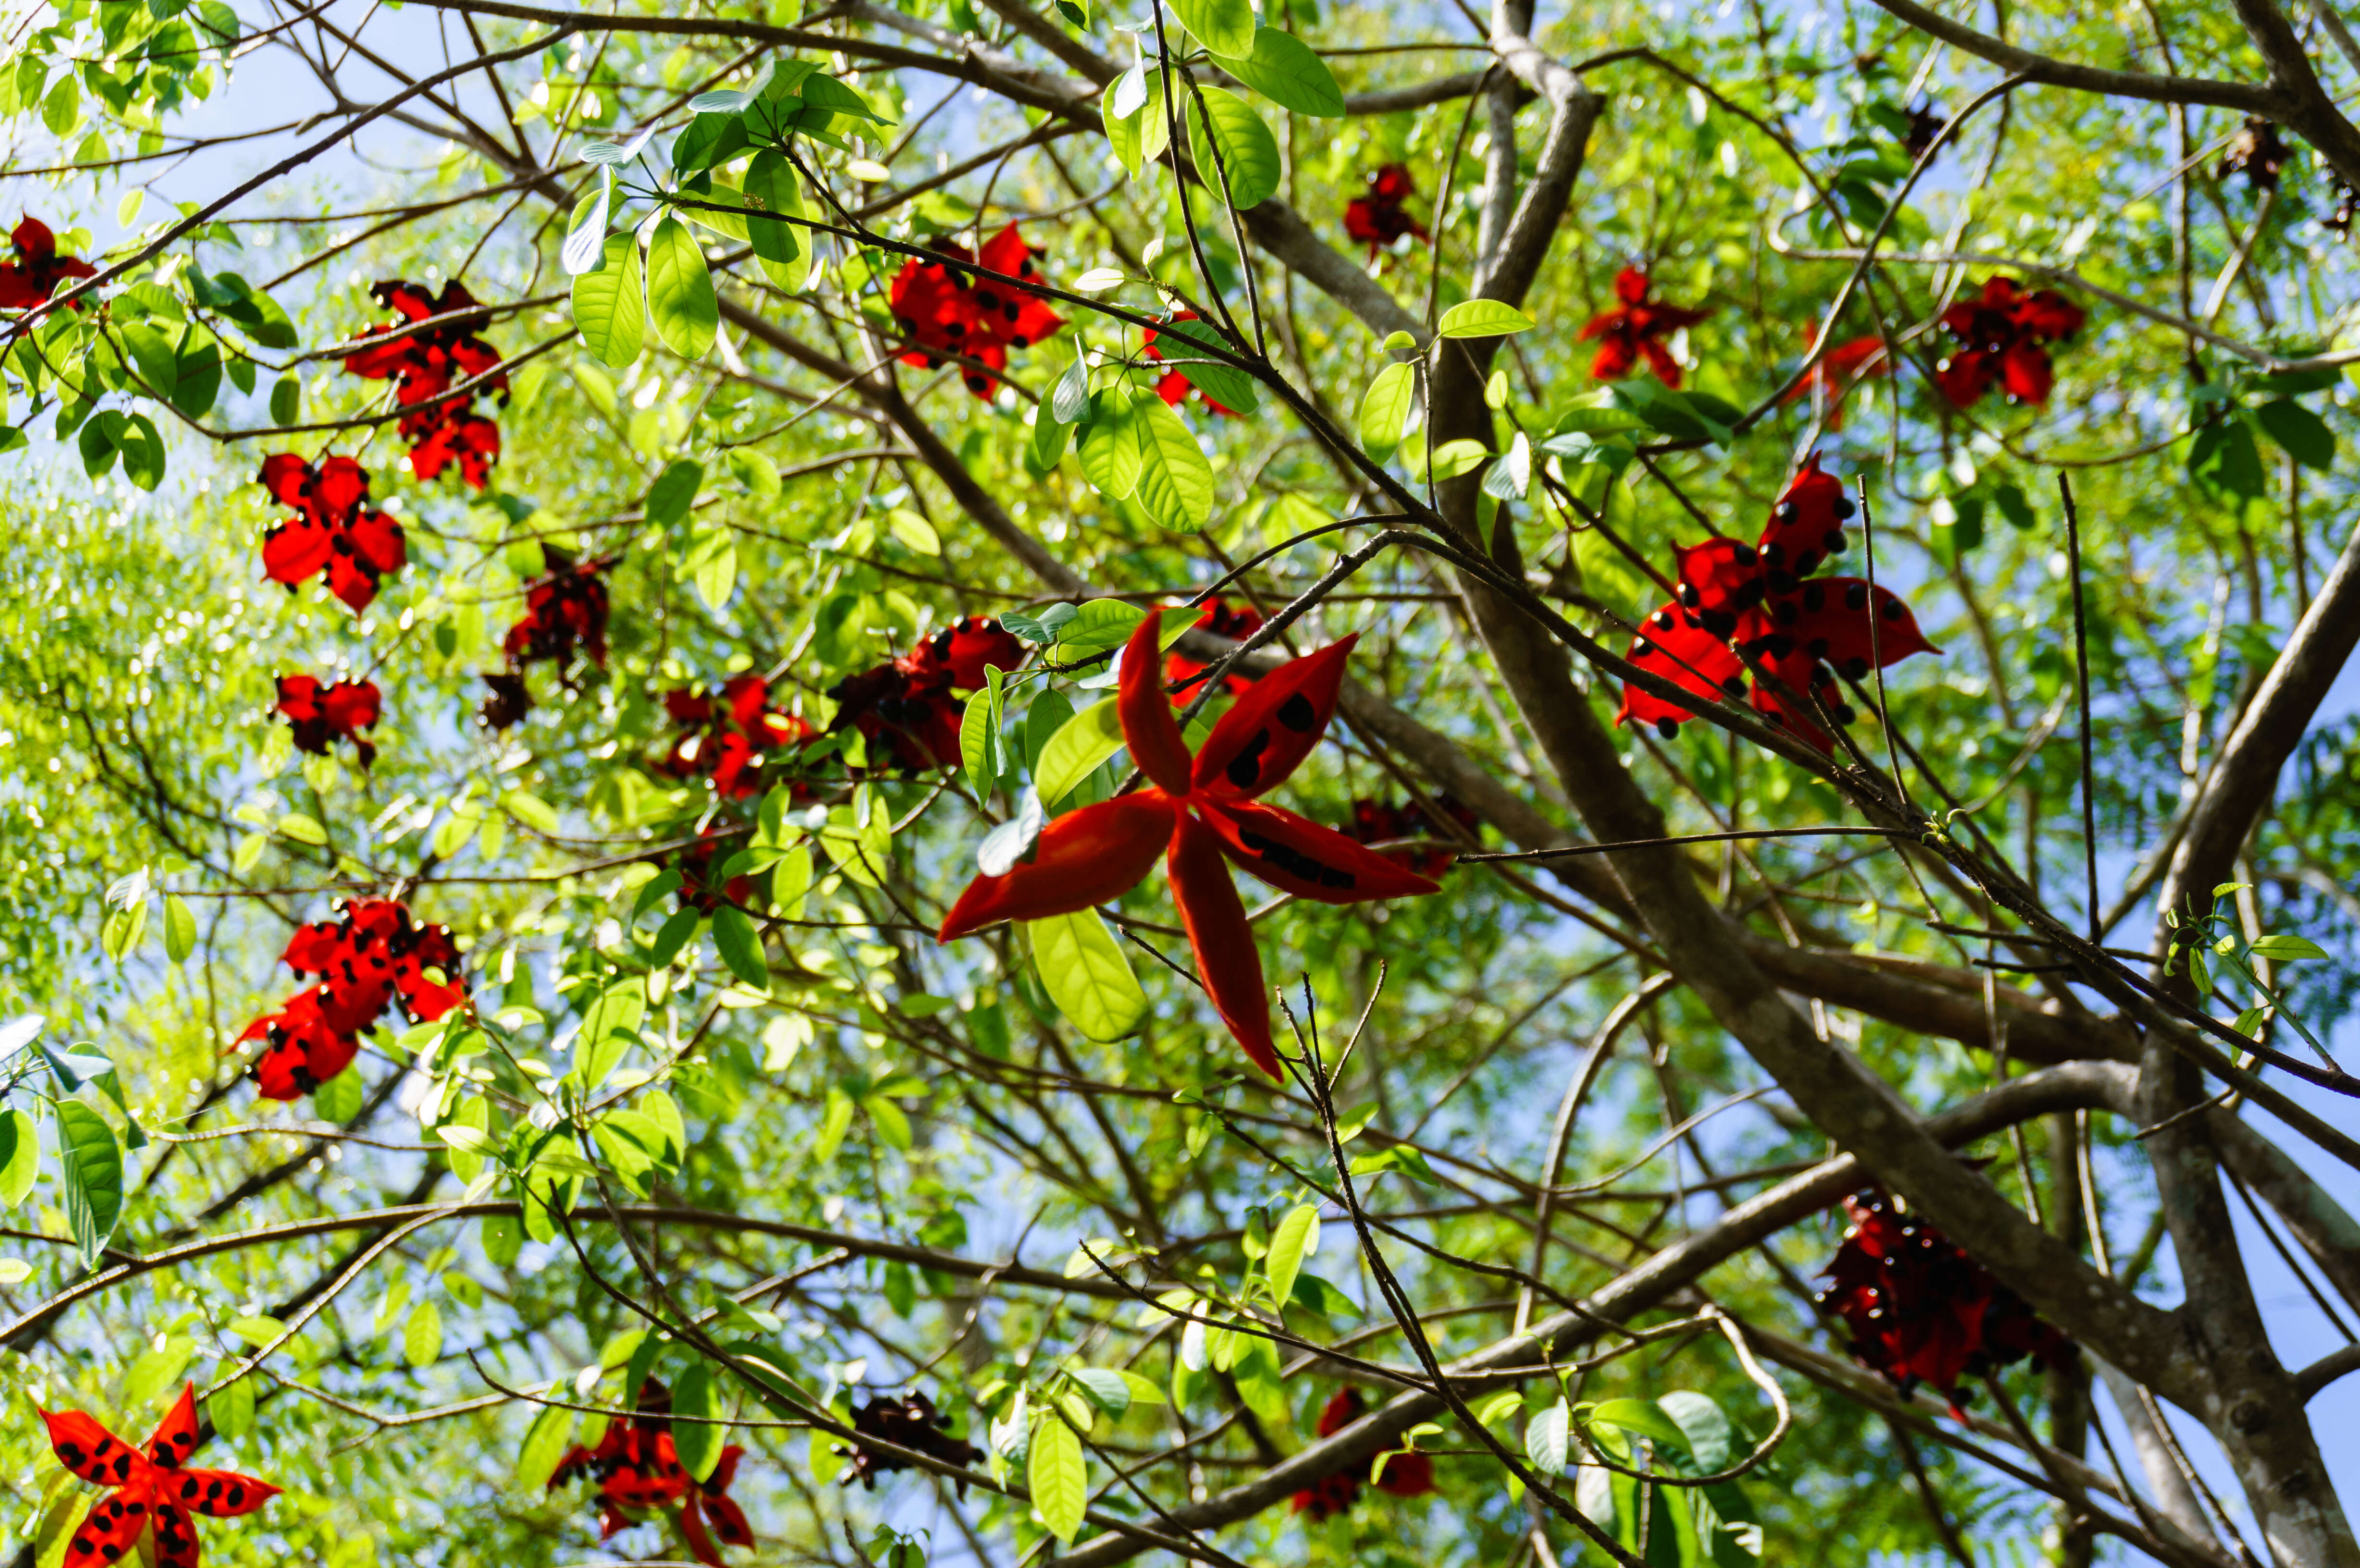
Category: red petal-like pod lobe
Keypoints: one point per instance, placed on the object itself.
(1273, 728)
(1148, 726)
(175, 1537)
(1805, 527)
(729, 1522)
(692, 1528)
(1690, 655)
(1829, 619)
(1809, 679)
(1082, 858)
(105, 1535)
(288, 479)
(294, 551)
(1227, 960)
(1720, 579)
(1407, 1475)
(343, 484)
(175, 1437)
(218, 1494)
(1301, 857)
(2026, 372)
(90, 1451)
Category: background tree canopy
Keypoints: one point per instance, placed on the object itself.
(1761, 596)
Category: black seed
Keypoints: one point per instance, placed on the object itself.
(1784, 511)
(1856, 596)
(1890, 609)
(1843, 506)
(1817, 648)
(1667, 729)
(1834, 541)
(1663, 620)
(1690, 597)
(1855, 667)
(1297, 714)
(1744, 555)
(1246, 767)
(1814, 597)
(1734, 686)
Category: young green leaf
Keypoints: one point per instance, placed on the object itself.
(1084, 741)
(180, 929)
(1384, 409)
(680, 291)
(1483, 318)
(585, 239)
(1290, 1240)
(609, 310)
(1084, 970)
(422, 1337)
(20, 1158)
(1058, 1476)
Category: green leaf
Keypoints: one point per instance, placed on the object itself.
(1290, 1240)
(1111, 443)
(608, 305)
(2305, 436)
(1107, 1390)
(1224, 384)
(740, 946)
(287, 399)
(1642, 1416)
(585, 249)
(1097, 625)
(1084, 970)
(1176, 483)
(92, 1163)
(1249, 153)
(1384, 409)
(142, 446)
(1084, 741)
(1058, 1476)
(545, 1443)
(20, 1158)
(770, 187)
(976, 750)
(339, 1099)
(422, 1337)
(532, 811)
(2287, 946)
(1224, 26)
(674, 492)
(680, 291)
(698, 1443)
(180, 929)
(913, 531)
(609, 1025)
(1483, 318)
(1454, 458)
(1704, 1428)
(231, 1407)
(1545, 1436)
(1289, 72)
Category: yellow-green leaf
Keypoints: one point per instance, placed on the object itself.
(1084, 970)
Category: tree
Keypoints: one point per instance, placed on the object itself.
(769, 535)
